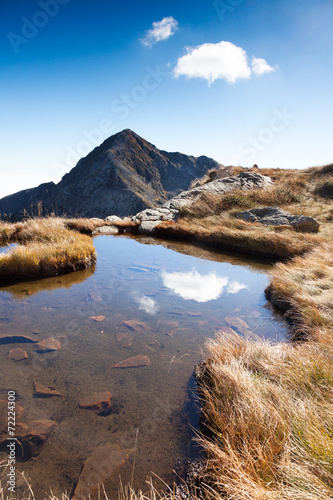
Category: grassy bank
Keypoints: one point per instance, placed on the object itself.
(212, 219)
(45, 247)
(268, 409)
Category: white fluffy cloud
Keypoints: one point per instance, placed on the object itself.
(260, 66)
(223, 60)
(161, 30)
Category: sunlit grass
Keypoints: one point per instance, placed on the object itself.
(45, 247)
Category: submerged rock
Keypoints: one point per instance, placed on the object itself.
(274, 216)
(17, 354)
(100, 467)
(97, 318)
(41, 391)
(32, 437)
(125, 338)
(134, 362)
(239, 325)
(48, 345)
(98, 401)
(134, 324)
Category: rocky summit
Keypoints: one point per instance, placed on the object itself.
(122, 176)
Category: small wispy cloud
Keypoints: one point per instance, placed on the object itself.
(260, 66)
(161, 30)
(223, 60)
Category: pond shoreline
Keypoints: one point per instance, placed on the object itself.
(308, 322)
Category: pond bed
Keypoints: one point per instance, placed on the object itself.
(147, 305)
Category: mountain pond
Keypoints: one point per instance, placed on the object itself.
(155, 300)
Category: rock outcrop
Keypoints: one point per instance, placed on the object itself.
(276, 217)
(148, 219)
(245, 180)
(122, 176)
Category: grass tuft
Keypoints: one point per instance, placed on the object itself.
(45, 247)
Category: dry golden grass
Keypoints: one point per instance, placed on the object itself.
(45, 248)
(268, 415)
(227, 233)
(268, 409)
(303, 288)
(124, 493)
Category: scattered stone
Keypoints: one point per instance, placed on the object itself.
(135, 325)
(274, 216)
(98, 401)
(156, 215)
(97, 220)
(48, 345)
(126, 339)
(172, 334)
(134, 362)
(238, 324)
(148, 227)
(103, 465)
(122, 221)
(171, 323)
(41, 391)
(106, 230)
(97, 318)
(16, 339)
(17, 354)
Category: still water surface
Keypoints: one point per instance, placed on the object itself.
(178, 296)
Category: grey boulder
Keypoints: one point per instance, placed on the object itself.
(274, 216)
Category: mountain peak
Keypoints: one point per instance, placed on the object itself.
(122, 176)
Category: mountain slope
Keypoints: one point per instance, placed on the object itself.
(122, 176)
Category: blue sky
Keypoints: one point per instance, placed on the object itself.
(241, 81)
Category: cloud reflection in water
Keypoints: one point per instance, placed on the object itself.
(147, 304)
(201, 288)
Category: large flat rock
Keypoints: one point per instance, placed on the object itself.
(134, 362)
(245, 180)
(274, 216)
(103, 465)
